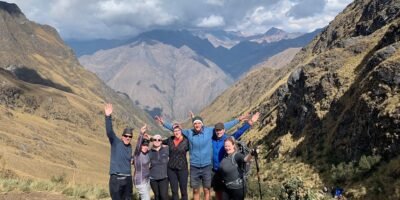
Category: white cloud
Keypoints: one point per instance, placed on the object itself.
(288, 15)
(211, 21)
(125, 18)
(143, 13)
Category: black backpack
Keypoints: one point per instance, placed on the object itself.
(244, 169)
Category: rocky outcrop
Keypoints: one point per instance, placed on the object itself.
(355, 98)
(11, 8)
(340, 105)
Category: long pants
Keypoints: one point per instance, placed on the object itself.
(120, 187)
(160, 189)
(144, 190)
(176, 176)
(233, 194)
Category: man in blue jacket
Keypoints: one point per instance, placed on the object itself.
(218, 140)
(120, 183)
(200, 151)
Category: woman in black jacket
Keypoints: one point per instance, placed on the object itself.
(177, 164)
(158, 168)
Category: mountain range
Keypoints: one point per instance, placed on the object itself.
(330, 118)
(160, 78)
(161, 57)
(235, 61)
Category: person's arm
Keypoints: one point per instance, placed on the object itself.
(108, 109)
(169, 126)
(246, 126)
(140, 140)
(248, 157)
(165, 124)
(138, 145)
(252, 153)
(165, 142)
(231, 124)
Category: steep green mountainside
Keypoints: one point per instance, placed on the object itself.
(52, 119)
(334, 120)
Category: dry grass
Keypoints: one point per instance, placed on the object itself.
(58, 183)
(48, 38)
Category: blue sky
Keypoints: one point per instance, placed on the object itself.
(110, 19)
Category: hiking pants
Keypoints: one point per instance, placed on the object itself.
(120, 187)
(233, 194)
(176, 176)
(160, 189)
(144, 190)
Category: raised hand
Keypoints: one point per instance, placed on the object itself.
(159, 119)
(191, 114)
(243, 117)
(254, 118)
(143, 129)
(108, 109)
(146, 136)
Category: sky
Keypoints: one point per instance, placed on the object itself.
(117, 19)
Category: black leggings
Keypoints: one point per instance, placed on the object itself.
(120, 187)
(233, 194)
(160, 188)
(176, 176)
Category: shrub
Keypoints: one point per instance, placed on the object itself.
(80, 192)
(292, 189)
(59, 178)
(253, 191)
(100, 193)
(366, 163)
(342, 172)
(43, 185)
(345, 172)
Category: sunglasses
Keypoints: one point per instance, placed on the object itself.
(156, 140)
(127, 136)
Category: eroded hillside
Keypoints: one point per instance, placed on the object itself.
(52, 118)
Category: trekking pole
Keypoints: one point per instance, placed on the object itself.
(258, 172)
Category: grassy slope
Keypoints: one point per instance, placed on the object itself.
(281, 165)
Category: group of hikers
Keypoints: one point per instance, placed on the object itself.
(214, 160)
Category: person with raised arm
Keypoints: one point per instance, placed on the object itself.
(219, 150)
(200, 152)
(177, 164)
(141, 161)
(231, 171)
(120, 183)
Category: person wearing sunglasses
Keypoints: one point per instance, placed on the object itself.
(141, 162)
(120, 183)
(158, 168)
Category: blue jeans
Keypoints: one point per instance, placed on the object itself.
(144, 190)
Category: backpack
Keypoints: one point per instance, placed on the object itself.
(244, 170)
